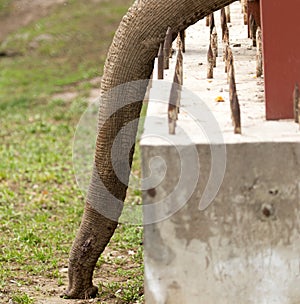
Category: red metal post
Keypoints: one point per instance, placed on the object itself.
(281, 46)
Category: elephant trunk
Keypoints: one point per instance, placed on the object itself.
(128, 66)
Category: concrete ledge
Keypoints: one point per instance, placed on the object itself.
(244, 248)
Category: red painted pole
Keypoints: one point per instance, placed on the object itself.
(281, 47)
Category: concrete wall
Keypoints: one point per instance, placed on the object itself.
(245, 247)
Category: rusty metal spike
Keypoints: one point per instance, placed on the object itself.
(253, 29)
(234, 102)
(182, 38)
(175, 95)
(210, 63)
(223, 22)
(259, 54)
(227, 11)
(214, 45)
(172, 108)
(167, 47)
(160, 62)
(207, 20)
(225, 57)
(211, 22)
(228, 62)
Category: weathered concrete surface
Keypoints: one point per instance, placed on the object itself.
(245, 247)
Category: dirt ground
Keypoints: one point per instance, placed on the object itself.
(46, 291)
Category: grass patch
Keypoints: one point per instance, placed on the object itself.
(61, 49)
(4, 7)
(22, 299)
(40, 203)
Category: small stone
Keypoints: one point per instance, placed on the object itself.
(63, 270)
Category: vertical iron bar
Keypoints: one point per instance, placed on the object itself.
(228, 61)
(160, 62)
(167, 47)
(214, 45)
(175, 95)
(223, 22)
(182, 38)
(211, 22)
(227, 11)
(210, 63)
(207, 20)
(259, 55)
(234, 102)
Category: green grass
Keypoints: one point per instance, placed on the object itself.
(62, 49)
(4, 7)
(127, 285)
(40, 203)
(22, 299)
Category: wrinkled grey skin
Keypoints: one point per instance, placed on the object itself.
(130, 58)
